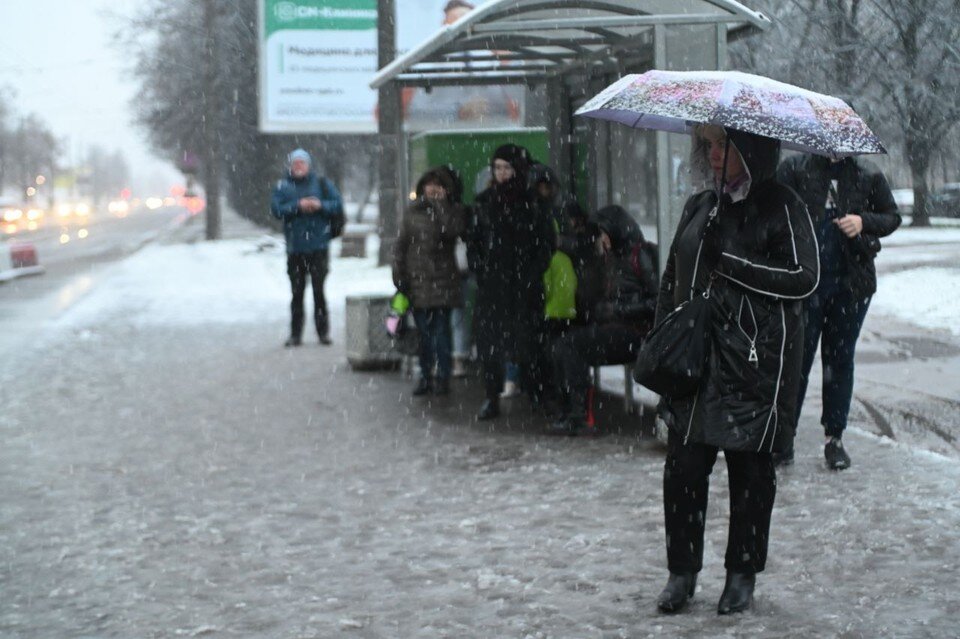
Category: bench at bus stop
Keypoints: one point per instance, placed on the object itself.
(369, 347)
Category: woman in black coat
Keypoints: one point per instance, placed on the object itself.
(509, 249)
(758, 259)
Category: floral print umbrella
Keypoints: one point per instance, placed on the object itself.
(676, 100)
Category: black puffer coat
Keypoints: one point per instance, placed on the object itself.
(424, 264)
(861, 189)
(509, 248)
(631, 283)
(766, 262)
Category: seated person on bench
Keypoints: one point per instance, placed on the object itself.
(618, 323)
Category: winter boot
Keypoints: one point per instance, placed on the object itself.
(678, 591)
(837, 458)
(423, 387)
(737, 593)
(489, 410)
(323, 329)
(584, 421)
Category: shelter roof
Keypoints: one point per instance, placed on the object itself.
(528, 41)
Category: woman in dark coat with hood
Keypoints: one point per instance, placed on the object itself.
(509, 249)
(758, 259)
(425, 270)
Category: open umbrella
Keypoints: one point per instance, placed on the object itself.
(676, 100)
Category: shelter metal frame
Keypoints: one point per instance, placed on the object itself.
(570, 46)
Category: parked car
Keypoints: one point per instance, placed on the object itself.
(945, 201)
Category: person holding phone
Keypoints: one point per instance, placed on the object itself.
(306, 203)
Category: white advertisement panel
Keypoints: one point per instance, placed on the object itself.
(317, 58)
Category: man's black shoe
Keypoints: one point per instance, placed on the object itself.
(422, 388)
(837, 457)
(325, 340)
(737, 593)
(441, 387)
(678, 591)
(489, 410)
(292, 342)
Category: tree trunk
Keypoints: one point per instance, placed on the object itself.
(918, 170)
(372, 184)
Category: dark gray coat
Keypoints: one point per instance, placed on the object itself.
(424, 263)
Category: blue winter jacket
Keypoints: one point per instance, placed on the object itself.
(305, 232)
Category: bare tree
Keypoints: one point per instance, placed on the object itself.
(919, 71)
(896, 61)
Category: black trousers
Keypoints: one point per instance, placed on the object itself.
(686, 481)
(299, 266)
(585, 346)
(506, 337)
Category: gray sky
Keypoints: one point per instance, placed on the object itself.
(58, 57)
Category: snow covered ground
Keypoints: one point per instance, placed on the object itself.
(169, 470)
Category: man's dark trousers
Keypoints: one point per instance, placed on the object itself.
(834, 317)
(316, 265)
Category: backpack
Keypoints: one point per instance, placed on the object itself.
(339, 219)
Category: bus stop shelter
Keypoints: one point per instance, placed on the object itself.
(575, 48)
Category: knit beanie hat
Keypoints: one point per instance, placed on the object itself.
(299, 154)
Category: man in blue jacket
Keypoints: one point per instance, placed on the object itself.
(306, 203)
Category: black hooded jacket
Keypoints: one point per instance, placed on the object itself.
(861, 189)
(762, 251)
(549, 207)
(509, 248)
(632, 282)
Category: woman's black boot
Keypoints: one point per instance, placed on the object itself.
(737, 593)
(678, 591)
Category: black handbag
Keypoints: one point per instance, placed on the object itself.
(673, 357)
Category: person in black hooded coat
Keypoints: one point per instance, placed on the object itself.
(758, 260)
(618, 322)
(852, 207)
(509, 248)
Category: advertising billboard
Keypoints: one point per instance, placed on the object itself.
(317, 58)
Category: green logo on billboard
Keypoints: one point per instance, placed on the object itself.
(285, 11)
(338, 15)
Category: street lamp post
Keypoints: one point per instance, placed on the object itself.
(211, 121)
